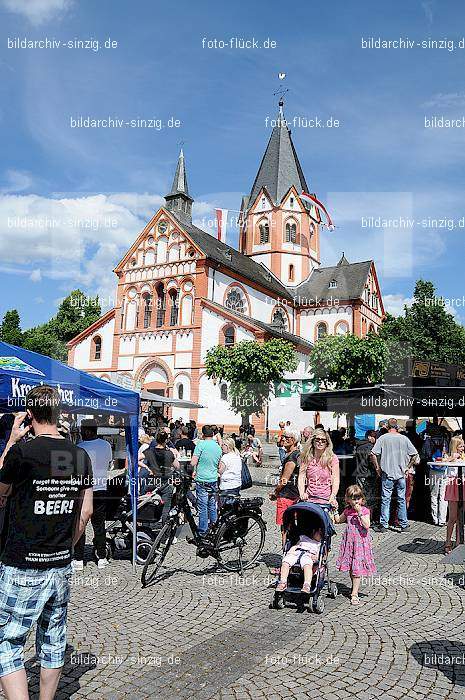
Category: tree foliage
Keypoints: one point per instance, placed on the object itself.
(75, 313)
(346, 361)
(249, 368)
(426, 331)
(10, 330)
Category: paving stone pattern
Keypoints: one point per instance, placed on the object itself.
(202, 633)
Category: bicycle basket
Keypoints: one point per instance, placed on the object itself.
(253, 503)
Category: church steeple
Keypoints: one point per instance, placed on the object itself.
(178, 200)
(280, 229)
(280, 167)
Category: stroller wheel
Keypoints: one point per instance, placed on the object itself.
(332, 590)
(318, 605)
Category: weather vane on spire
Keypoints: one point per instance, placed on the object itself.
(281, 91)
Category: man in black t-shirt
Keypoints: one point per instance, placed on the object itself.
(162, 467)
(48, 481)
(185, 442)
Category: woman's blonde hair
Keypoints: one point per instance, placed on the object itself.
(308, 449)
(230, 444)
(454, 443)
(145, 439)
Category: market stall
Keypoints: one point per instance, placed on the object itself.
(81, 393)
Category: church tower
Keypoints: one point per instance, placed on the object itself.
(280, 229)
(178, 200)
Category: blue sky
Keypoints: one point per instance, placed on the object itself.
(87, 193)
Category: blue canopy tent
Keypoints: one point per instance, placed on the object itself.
(21, 370)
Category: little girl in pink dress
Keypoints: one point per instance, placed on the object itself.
(355, 553)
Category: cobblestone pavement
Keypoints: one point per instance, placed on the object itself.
(207, 635)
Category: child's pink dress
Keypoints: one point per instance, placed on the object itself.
(355, 552)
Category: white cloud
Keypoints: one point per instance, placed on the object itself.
(36, 275)
(75, 241)
(37, 11)
(394, 303)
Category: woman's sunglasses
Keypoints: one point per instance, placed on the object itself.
(320, 440)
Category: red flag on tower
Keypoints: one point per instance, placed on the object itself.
(221, 223)
(320, 205)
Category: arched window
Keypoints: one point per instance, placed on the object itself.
(229, 336)
(174, 307)
(291, 273)
(180, 391)
(224, 392)
(147, 310)
(279, 319)
(264, 232)
(161, 305)
(291, 233)
(321, 330)
(342, 328)
(96, 348)
(235, 302)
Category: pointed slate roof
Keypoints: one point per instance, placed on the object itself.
(350, 279)
(180, 185)
(280, 167)
(231, 258)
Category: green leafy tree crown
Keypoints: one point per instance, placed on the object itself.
(249, 368)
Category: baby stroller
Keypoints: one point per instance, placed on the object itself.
(297, 520)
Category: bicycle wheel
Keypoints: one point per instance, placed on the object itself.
(158, 552)
(240, 541)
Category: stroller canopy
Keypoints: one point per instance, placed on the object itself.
(318, 514)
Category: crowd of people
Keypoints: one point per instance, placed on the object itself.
(53, 486)
(379, 487)
(391, 466)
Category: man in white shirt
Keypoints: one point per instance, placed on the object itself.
(101, 456)
(396, 454)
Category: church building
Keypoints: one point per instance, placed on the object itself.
(180, 291)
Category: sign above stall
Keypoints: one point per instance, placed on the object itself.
(429, 373)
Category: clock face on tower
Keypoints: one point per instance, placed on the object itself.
(162, 227)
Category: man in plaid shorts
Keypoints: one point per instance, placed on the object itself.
(48, 481)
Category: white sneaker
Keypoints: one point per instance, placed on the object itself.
(77, 565)
(102, 563)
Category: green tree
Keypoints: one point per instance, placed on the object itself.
(250, 368)
(346, 361)
(43, 339)
(75, 313)
(10, 329)
(426, 331)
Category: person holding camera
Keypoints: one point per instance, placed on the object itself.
(48, 481)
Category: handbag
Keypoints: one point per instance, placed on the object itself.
(246, 477)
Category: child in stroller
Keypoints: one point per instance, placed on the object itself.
(304, 571)
(303, 554)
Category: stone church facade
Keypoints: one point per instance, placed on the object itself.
(180, 291)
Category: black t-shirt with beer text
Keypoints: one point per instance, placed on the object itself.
(47, 475)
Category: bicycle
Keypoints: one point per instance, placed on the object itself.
(235, 541)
